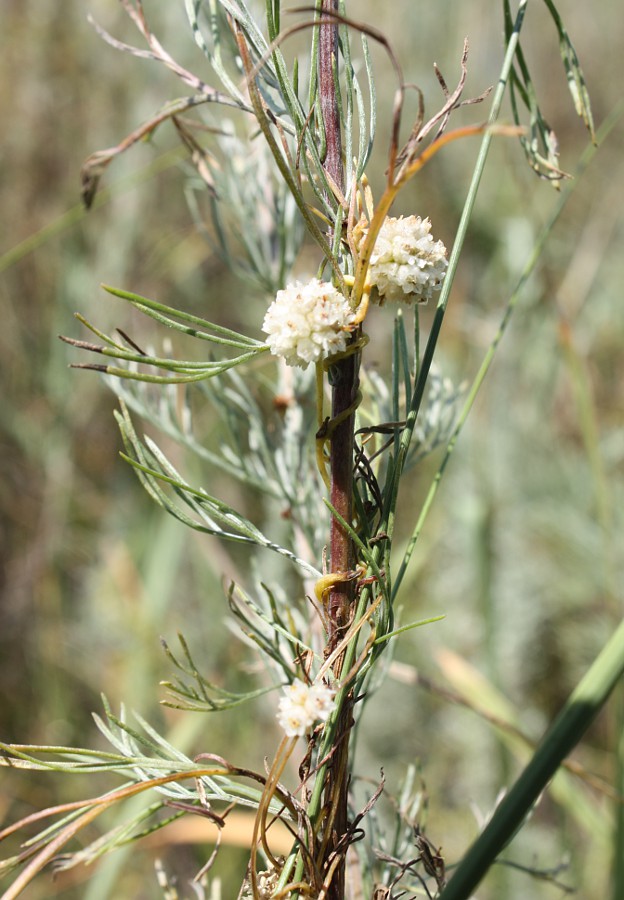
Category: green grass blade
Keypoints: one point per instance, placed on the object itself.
(579, 712)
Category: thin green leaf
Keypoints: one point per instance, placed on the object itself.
(276, 628)
(574, 73)
(167, 314)
(404, 628)
(198, 698)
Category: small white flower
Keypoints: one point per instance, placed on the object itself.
(302, 705)
(308, 322)
(407, 265)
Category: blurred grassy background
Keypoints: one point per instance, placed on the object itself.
(521, 551)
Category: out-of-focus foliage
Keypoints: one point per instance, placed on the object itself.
(519, 552)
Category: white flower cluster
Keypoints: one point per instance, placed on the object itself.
(302, 705)
(407, 265)
(266, 884)
(308, 322)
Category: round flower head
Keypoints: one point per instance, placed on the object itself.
(407, 265)
(302, 705)
(308, 322)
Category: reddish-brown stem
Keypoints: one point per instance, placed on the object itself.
(344, 381)
(344, 378)
(330, 114)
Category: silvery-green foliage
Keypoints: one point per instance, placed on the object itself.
(263, 439)
(437, 416)
(257, 228)
(193, 506)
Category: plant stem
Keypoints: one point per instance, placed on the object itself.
(344, 381)
(330, 113)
